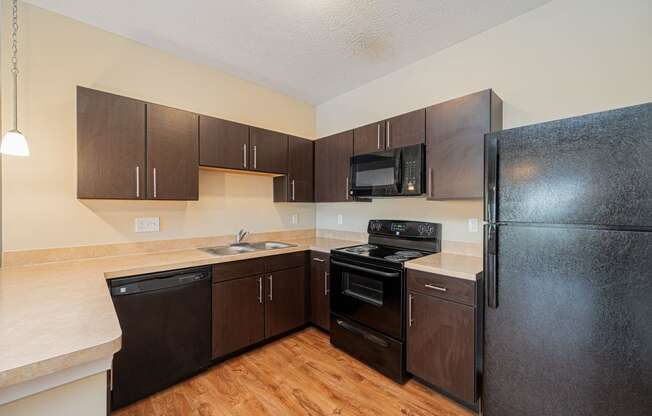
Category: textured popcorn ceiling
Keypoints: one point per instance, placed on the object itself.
(309, 49)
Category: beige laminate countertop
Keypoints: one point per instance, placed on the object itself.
(454, 265)
(56, 316)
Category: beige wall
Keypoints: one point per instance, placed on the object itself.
(82, 397)
(56, 54)
(566, 58)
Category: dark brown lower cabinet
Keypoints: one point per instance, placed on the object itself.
(285, 304)
(441, 344)
(320, 308)
(257, 299)
(238, 314)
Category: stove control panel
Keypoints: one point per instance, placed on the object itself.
(405, 229)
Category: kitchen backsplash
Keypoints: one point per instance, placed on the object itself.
(453, 215)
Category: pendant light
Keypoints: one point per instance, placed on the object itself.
(13, 142)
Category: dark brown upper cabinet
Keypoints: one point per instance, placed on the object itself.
(110, 146)
(369, 138)
(129, 149)
(172, 153)
(297, 185)
(222, 143)
(455, 133)
(268, 151)
(332, 159)
(406, 129)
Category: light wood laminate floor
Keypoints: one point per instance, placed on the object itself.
(298, 375)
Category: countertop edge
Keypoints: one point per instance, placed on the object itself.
(445, 272)
(24, 372)
(37, 369)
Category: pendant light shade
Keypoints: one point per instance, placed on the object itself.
(14, 144)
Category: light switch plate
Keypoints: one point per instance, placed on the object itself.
(295, 219)
(339, 219)
(473, 225)
(146, 224)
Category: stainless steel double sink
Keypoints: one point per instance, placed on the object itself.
(241, 248)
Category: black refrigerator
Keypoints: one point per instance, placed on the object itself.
(568, 267)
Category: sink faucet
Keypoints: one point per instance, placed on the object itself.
(240, 235)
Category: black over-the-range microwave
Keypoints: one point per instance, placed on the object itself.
(395, 172)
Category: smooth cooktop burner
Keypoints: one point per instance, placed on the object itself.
(365, 248)
(411, 254)
(383, 252)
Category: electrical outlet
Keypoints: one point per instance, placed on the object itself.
(473, 225)
(339, 219)
(146, 224)
(294, 219)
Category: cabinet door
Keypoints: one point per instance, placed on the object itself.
(222, 143)
(319, 290)
(455, 133)
(172, 153)
(297, 186)
(238, 314)
(269, 151)
(369, 138)
(441, 344)
(300, 170)
(285, 307)
(332, 160)
(110, 146)
(406, 129)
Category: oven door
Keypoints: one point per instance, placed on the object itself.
(370, 295)
(376, 174)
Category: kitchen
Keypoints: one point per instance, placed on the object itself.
(108, 112)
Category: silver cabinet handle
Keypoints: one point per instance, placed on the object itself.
(439, 288)
(318, 259)
(388, 130)
(255, 157)
(347, 188)
(154, 172)
(430, 183)
(137, 181)
(271, 287)
(293, 194)
(378, 136)
(260, 290)
(244, 155)
(410, 320)
(326, 276)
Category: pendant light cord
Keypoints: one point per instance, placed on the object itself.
(14, 60)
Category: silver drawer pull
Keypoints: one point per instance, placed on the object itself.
(439, 288)
(410, 320)
(318, 259)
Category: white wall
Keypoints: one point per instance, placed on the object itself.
(85, 397)
(40, 208)
(566, 58)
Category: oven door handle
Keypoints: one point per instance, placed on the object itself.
(366, 270)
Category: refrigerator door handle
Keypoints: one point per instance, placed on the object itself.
(491, 177)
(490, 266)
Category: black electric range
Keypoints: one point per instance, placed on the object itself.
(368, 292)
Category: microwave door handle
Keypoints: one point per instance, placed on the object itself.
(398, 174)
(365, 269)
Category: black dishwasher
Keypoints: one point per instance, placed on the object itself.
(166, 331)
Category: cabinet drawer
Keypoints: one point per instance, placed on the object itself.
(285, 261)
(236, 269)
(451, 288)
